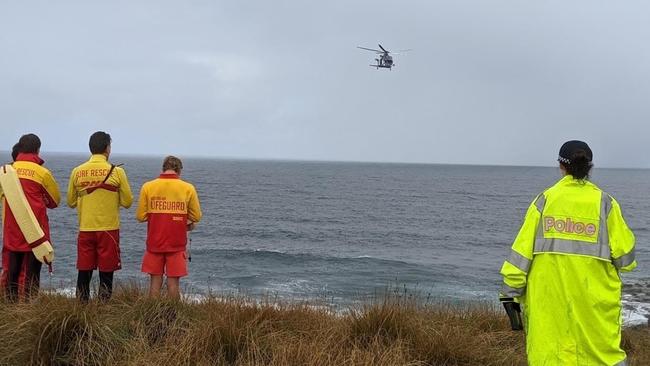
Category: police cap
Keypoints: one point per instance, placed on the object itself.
(570, 148)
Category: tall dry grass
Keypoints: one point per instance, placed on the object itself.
(134, 330)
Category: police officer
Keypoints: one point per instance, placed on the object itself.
(564, 269)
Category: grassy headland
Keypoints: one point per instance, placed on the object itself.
(135, 330)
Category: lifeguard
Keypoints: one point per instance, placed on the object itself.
(97, 189)
(170, 206)
(41, 193)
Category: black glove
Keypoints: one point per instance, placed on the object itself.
(513, 309)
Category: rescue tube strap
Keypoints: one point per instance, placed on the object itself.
(519, 261)
(103, 184)
(553, 245)
(38, 242)
(508, 291)
(624, 260)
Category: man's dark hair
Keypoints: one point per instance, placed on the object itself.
(28, 143)
(99, 142)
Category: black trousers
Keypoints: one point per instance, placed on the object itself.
(105, 285)
(17, 262)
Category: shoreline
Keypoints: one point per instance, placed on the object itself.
(635, 313)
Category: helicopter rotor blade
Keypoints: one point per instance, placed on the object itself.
(382, 48)
(370, 49)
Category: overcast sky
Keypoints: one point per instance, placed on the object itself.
(487, 82)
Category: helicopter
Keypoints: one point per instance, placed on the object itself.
(385, 60)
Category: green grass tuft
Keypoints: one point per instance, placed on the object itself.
(135, 330)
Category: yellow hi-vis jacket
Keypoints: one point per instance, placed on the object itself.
(96, 198)
(564, 269)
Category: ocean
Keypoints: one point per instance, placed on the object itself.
(345, 232)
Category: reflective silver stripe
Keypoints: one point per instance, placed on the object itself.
(605, 208)
(540, 202)
(622, 363)
(508, 291)
(552, 245)
(540, 229)
(519, 261)
(624, 260)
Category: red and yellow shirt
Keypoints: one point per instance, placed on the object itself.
(41, 191)
(168, 204)
(99, 210)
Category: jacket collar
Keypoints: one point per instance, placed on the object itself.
(31, 157)
(168, 176)
(98, 158)
(570, 180)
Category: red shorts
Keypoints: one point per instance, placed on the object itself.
(172, 264)
(99, 250)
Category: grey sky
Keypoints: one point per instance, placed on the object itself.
(489, 82)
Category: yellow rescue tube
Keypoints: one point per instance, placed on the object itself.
(24, 215)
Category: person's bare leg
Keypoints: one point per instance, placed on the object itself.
(154, 285)
(173, 287)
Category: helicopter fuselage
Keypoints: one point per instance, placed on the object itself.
(385, 60)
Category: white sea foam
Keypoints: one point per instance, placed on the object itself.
(635, 312)
(263, 250)
(66, 291)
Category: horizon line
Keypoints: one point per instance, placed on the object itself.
(298, 160)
